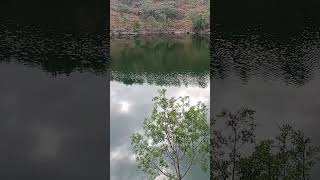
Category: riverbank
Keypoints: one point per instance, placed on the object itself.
(121, 34)
(145, 17)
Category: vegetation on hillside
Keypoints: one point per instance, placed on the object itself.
(160, 16)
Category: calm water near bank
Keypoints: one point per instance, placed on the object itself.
(140, 67)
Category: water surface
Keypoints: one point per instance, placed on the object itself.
(140, 67)
(53, 104)
(278, 78)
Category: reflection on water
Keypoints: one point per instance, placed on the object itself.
(293, 61)
(54, 52)
(52, 104)
(278, 79)
(140, 67)
(161, 61)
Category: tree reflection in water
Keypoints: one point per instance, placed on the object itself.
(237, 154)
(161, 61)
(53, 51)
(257, 70)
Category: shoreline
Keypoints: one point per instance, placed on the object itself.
(119, 34)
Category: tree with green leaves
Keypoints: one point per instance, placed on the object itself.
(175, 138)
(219, 166)
(262, 164)
(283, 141)
(303, 156)
(290, 156)
(237, 131)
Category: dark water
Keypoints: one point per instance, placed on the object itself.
(279, 17)
(140, 67)
(265, 56)
(53, 102)
(277, 77)
(74, 15)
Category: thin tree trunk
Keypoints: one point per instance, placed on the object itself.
(234, 154)
(178, 166)
(303, 167)
(283, 152)
(179, 173)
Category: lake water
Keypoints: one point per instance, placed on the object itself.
(53, 104)
(279, 78)
(140, 67)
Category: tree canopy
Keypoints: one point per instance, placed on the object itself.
(175, 138)
(290, 155)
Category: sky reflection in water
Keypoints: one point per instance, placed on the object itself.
(52, 104)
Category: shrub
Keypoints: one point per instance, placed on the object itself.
(146, 6)
(122, 8)
(162, 14)
(126, 2)
(136, 26)
(199, 21)
(169, 10)
(152, 20)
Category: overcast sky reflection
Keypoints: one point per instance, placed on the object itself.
(127, 118)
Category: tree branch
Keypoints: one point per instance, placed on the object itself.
(160, 170)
